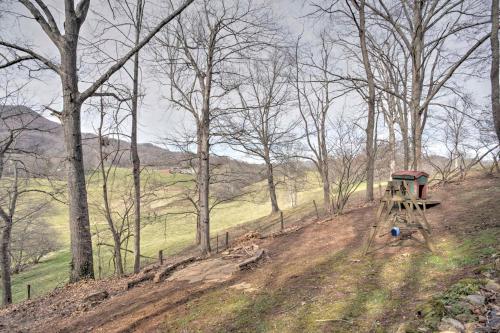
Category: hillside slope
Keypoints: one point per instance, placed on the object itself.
(314, 279)
(46, 138)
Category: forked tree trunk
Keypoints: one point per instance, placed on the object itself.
(494, 75)
(5, 262)
(81, 241)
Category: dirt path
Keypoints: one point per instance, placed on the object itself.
(142, 309)
(292, 270)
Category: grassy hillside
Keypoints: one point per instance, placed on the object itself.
(176, 234)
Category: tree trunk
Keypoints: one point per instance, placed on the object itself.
(406, 147)
(417, 144)
(118, 254)
(494, 75)
(416, 84)
(324, 173)
(370, 151)
(81, 241)
(204, 186)
(198, 184)
(136, 162)
(271, 186)
(107, 209)
(5, 262)
(392, 148)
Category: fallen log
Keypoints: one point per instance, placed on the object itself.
(258, 255)
(141, 278)
(166, 271)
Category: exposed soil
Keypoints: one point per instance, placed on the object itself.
(465, 208)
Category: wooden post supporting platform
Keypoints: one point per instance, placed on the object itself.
(411, 220)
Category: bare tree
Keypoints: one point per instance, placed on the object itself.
(32, 236)
(198, 56)
(133, 13)
(67, 69)
(314, 83)
(458, 126)
(15, 181)
(294, 172)
(495, 60)
(109, 155)
(426, 34)
(347, 161)
(361, 26)
(261, 127)
(424, 31)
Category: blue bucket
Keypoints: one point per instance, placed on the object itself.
(395, 232)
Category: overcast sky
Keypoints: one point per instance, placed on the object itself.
(156, 118)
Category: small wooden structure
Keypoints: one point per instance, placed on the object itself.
(416, 180)
(401, 212)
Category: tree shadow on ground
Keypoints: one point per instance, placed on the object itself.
(334, 292)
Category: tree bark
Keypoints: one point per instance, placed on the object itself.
(406, 147)
(370, 151)
(392, 148)
(82, 265)
(136, 162)
(494, 75)
(204, 186)
(416, 87)
(198, 184)
(5, 262)
(327, 204)
(323, 164)
(271, 186)
(81, 241)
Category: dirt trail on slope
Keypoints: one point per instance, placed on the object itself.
(143, 308)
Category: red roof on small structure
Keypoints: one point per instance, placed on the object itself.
(412, 173)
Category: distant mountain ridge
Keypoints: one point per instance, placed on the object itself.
(47, 137)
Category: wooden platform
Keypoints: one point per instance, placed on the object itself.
(427, 203)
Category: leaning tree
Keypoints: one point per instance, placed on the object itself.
(199, 55)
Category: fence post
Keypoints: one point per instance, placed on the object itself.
(316, 208)
(281, 220)
(217, 246)
(380, 190)
(227, 239)
(28, 287)
(160, 256)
